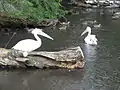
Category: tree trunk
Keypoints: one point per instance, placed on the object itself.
(68, 58)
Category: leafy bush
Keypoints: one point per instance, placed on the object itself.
(33, 9)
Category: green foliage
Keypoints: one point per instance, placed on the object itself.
(36, 9)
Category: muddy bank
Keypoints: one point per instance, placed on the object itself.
(8, 21)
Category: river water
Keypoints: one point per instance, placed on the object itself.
(101, 71)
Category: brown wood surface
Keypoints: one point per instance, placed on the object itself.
(67, 58)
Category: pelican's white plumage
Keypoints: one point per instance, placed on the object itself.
(29, 45)
(89, 39)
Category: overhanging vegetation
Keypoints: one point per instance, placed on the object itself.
(34, 10)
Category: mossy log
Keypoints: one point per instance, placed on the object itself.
(67, 58)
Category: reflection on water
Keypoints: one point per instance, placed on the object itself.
(102, 69)
(90, 52)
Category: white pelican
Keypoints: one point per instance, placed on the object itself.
(89, 39)
(29, 45)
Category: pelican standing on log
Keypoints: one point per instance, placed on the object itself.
(89, 39)
(29, 45)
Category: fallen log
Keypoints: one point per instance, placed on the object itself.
(68, 58)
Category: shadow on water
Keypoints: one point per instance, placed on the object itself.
(102, 69)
